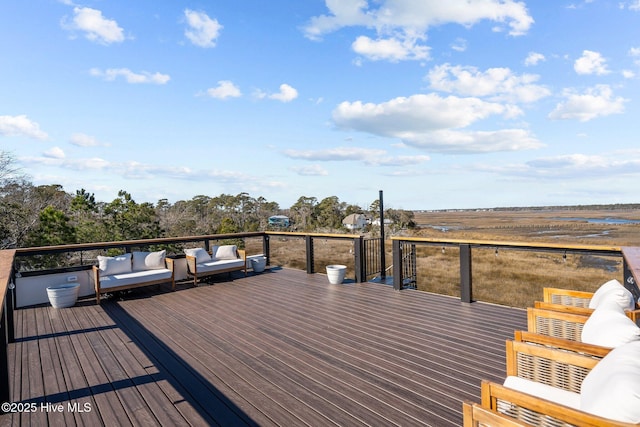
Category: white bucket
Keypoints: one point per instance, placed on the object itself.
(336, 273)
(258, 264)
(62, 296)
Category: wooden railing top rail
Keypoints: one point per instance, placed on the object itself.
(325, 235)
(6, 262)
(515, 245)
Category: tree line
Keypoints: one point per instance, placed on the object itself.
(42, 215)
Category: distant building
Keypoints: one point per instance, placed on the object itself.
(386, 222)
(355, 222)
(279, 221)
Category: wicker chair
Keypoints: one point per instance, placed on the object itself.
(574, 302)
(554, 323)
(561, 343)
(533, 411)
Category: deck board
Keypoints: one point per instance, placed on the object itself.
(278, 348)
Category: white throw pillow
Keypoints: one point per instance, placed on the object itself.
(612, 388)
(149, 260)
(609, 326)
(200, 254)
(615, 291)
(110, 265)
(225, 252)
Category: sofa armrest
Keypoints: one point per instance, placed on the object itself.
(191, 264)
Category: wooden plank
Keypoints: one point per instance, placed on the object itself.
(280, 347)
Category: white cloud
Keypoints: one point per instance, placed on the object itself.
(83, 140)
(497, 83)
(21, 126)
(628, 74)
(96, 27)
(311, 170)
(202, 30)
(390, 49)
(399, 24)
(54, 153)
(460, 45)
(597, 101)
(371, 157)
(225, 89)
(591, 63)
(134, 78)
(287, 94)
(533, 59)
(634, 5)
(431, 122)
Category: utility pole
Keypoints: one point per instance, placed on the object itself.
(383, 263)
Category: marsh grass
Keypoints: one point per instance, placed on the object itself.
(513, 278)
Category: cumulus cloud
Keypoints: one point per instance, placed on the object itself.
(202, 30)
(497, 83)
(84, 140)
(591, 63)
(399, 24)
(368, 156)
(434, 123)
(54, 153)
(597, 101)
(225, 89)
(390, 49)
(533, 59)
(112, 74)
(21, 126)
(96, 27)
(287, 94)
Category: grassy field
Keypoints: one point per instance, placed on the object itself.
(507, 277)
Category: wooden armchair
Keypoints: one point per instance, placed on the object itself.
(561, 343)
(560, 324)
(525, 408)
(574, 302)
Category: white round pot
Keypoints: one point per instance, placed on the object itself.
(62, 296)
(258, 264)
(336, 273)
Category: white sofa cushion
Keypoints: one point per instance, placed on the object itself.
(132, 278)
(613, 290)
(114, 264)
(612, 388)
(224, 252)
(200, 254)
(609, 326)
(220, 264)
(149, 260)
(544, 391)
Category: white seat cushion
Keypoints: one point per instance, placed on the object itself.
(126, 279)
(220, 264)
(544, 391)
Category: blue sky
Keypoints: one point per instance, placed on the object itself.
(439, 104)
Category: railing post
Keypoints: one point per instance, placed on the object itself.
(4, 357)
(358, 259)
(397, 264)
(266, 249)
(310, 261)
(629, 282)
(465, 273)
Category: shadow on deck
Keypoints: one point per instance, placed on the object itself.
(278, 348)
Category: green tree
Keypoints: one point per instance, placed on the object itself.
(303, 213)
(329, 213)
(127, 220)
(54, 228)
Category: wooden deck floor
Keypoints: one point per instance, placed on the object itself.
(278, 348)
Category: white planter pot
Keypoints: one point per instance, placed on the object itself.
(336, 273)
(258, 264)
(65, 295)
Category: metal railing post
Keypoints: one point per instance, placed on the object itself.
(310, 261)
(465, 273)
(397, 264)
(266, 249)
(358, 259)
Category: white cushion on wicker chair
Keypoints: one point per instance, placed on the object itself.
(613, 290)
(200, 254)
(609, 326)
(612, 388)
(543, 391)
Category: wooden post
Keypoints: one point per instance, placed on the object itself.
(310, 261)
(465, 273)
